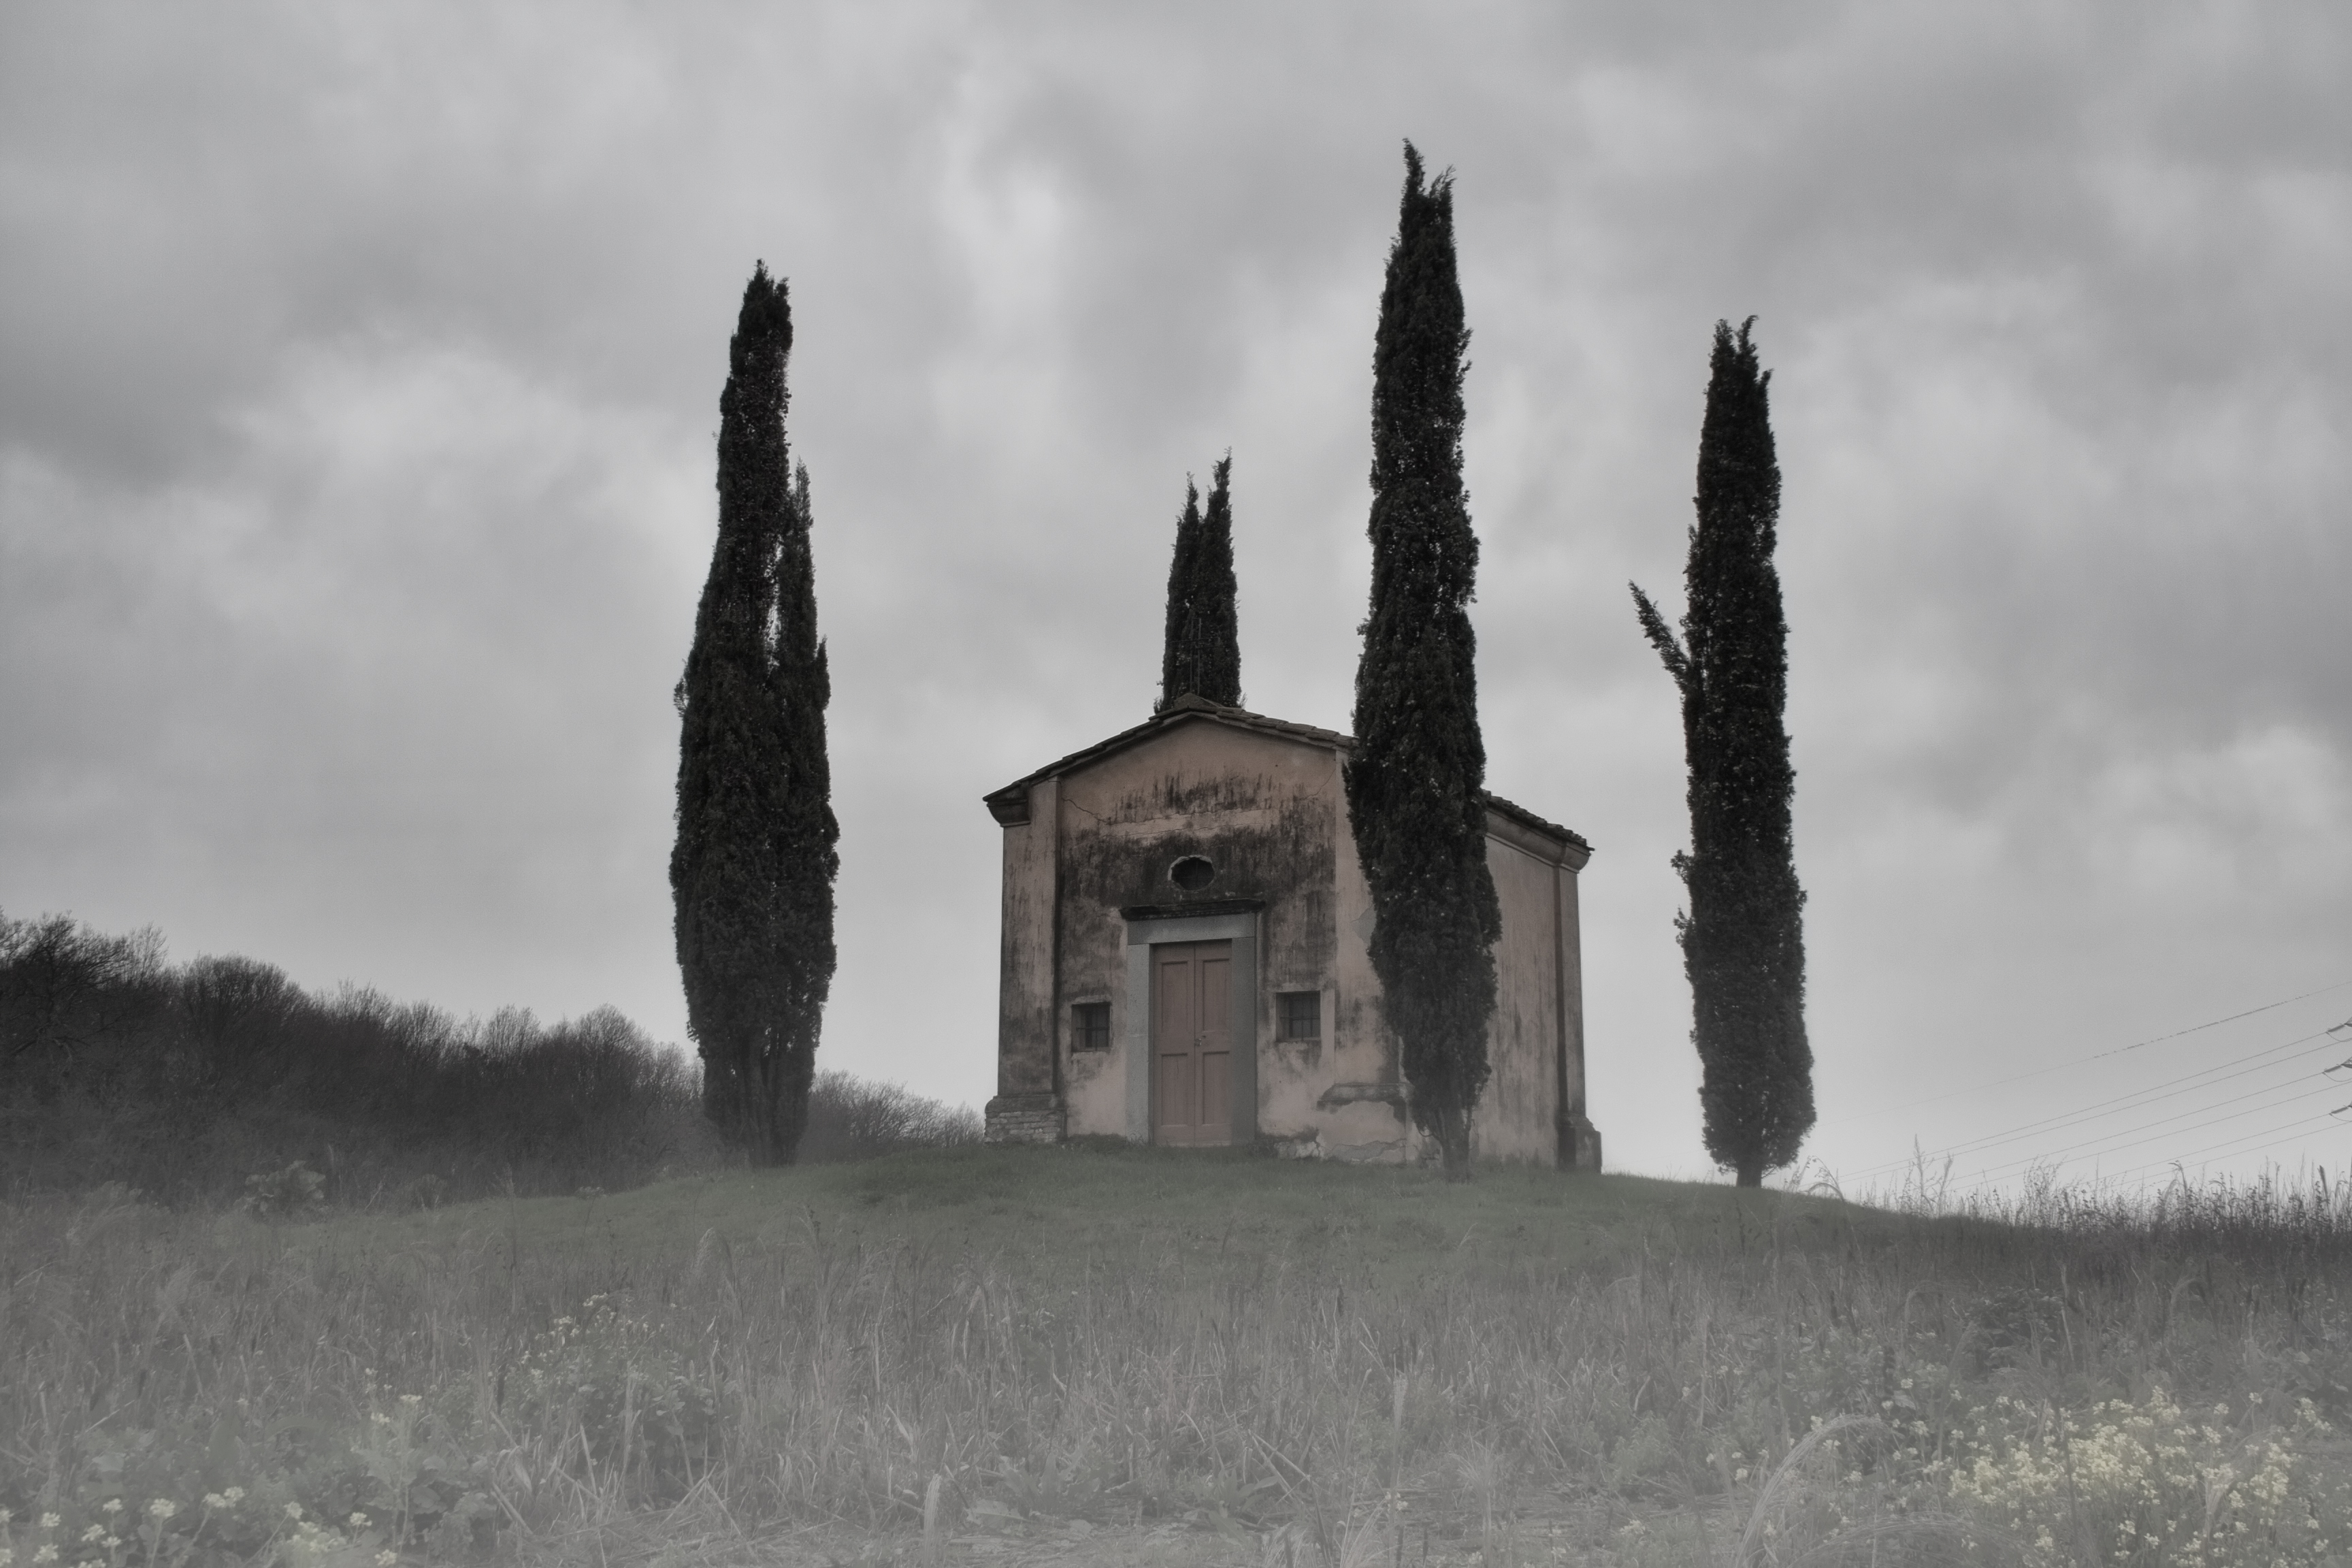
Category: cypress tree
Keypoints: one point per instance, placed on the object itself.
(752, 869)
(1415, 800)
(1200, 649)
(1742, 937)
(1175, 663)
(805, 832)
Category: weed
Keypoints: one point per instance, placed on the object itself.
(1018, 1344)
(285, 1195)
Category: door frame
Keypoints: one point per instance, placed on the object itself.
(1144, 931)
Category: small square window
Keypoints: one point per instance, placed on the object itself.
(1090, 1027)
(1298, 1015)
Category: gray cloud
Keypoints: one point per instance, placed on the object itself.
(359, 367)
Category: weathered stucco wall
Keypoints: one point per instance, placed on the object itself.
(1261, 810)
(1088, 871)
(1026, 1097)
(1359, 1109)
(1579, 1141)
(1518, 1115)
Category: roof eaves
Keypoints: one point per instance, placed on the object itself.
(1528, 819)
(1184, 707)
(1010, 804)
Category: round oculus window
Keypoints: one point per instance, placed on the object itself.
(1192, 873)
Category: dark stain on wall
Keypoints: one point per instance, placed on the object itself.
(1116, 861)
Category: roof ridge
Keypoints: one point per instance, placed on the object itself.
(1192, 705)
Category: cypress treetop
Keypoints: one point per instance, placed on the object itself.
(1175, 652)
(1201, 650)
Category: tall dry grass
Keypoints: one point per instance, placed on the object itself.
(1035, 1343)
(959, 1347)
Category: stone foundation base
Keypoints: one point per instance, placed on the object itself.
(1313, 1144)
(1580, 1144)
(1023, 1119)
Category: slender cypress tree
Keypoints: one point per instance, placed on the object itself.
(804, 830)
(1175, 663)
(754, 866)
(1414, 779)
(1743, 937)
(1201, 652)
(1216, 633)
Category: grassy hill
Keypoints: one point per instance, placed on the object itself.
(1105, 1354)
(1213, 1212)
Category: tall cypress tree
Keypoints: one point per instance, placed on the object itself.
(1743, 937)
(1415, 800)
(752, 869)
(1175, 662)
(1200, 649)
(805, 832)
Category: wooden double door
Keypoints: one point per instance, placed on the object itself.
(1192, 1043)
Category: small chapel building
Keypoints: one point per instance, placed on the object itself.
(1185, 962)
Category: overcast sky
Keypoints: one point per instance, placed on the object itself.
(359, 374)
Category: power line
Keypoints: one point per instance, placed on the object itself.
(2137, 1099)
(2094, 1146)
(2308, 1123)
(2236, 1066)
(2251, 1062)
(2119, 1050)
(2300, 1137)
(2118, 1148)
(2232, 1018)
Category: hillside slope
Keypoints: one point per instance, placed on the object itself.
(1101, 1354)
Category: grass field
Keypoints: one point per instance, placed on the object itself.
(1105, 1354)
